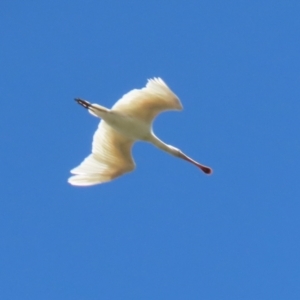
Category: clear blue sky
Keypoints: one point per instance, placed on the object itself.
(165, 231)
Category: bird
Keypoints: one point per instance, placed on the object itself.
(129, 120)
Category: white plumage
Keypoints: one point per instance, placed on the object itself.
(129, 120)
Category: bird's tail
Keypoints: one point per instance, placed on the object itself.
(94, 109)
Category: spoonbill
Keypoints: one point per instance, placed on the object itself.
(129, 120)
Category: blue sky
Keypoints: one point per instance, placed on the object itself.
(165, 231)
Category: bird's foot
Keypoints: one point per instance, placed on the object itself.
(82, 102)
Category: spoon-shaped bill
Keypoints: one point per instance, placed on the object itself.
(205, 169)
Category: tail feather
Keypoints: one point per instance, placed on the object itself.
(94, 109)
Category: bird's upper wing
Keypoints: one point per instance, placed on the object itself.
(110, 158)
(149, 101)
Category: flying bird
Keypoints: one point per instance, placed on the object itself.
(128, 121)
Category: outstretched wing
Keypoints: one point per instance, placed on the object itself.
(149, 101)
(110, 158)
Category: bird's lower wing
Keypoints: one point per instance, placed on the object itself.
(110, 158)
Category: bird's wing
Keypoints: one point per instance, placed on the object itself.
(149, 101)
(110, 158)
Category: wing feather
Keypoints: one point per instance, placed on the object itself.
(110, 158)
(149, 101)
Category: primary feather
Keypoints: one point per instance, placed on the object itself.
(110, 158)
(149, 101)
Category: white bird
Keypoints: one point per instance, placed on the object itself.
(129, 120)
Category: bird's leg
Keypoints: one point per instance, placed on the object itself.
(84, 103)
(205, 169)
(94, 109)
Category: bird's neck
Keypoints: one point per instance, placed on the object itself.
(163, 146)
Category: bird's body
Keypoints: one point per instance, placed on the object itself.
(129, 126)
(129, 120)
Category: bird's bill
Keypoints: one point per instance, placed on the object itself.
(205, 169)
